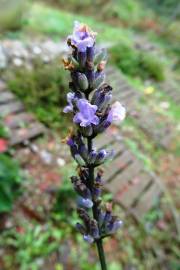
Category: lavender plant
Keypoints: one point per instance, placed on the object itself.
(89, 102)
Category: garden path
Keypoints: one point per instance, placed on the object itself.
(153, 124)
(171, 88)
(133, 187)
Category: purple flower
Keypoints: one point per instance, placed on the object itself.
(117, 113)
(86, 115)
(69, 107)
(82, 37)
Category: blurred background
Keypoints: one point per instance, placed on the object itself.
(37, 202)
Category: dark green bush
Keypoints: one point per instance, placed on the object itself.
(43, 90)
(11, 14)
(135, 62)
(129, 12)
(112, 10)
(151, 66)
(166, 8)
(125, 57)
(9, 183)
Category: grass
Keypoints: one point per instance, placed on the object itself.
(58, 24)
(155, 97)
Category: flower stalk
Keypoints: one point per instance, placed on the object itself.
(89, 102)
(99, 242)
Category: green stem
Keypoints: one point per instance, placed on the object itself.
(99, 242)
(101, 253)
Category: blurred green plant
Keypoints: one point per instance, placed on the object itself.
(10, 180)
(151, 66)
(3, 130)
(112, 10)
(166, 8)
(43, 90)
(11, 13)
(136, 62)
(123, 10)
(31, 244)
(56, 23)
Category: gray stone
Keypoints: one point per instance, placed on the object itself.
(46, 156)
(3, 58)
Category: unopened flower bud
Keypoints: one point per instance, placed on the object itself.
(96, 192)
(100, 56)
(101, 66)
(82, 81)
(70, 141)
(83, 151)
(84, 216)
(86, 131)
(114, 225)
(103, 156)
(84, 202)
(90, 54)
(80, 228)
(99, 80)
(90, 76)
(82, 58)
(88, 238)
(92, 157)
(94, 230)
(80, 187)
(79, 160)
(74, 62)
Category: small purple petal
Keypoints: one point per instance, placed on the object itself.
(117, 113)
(69, 107)
(85, 202)
(110, 117)
(88, 238)
(86, 115)
(70, 142)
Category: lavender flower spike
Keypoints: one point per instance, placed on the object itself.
(89, 102)
(86, 115)
(82, 37)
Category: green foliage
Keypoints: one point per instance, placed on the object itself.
(123, 10)
(163, 7)
(11, 13)
(43, 90)
(76, 5)
(9, 183)
(108, 10)
(152, 66)
(3, 130)
(126, 58)
(31, 245)
(66, 196)
(135, 62)
(58, 24)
